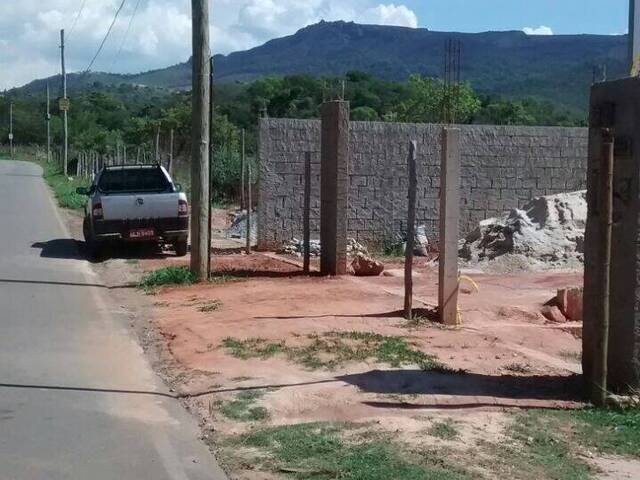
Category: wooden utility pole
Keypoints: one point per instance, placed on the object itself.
(158, 143)
(411, 233)
(209, 162)
(170, 153)
(200, 140)
(306, 214)
(65, 125)
(249, 208)
(48, 124)
(11, 129)
(601, 354)
(242, 174)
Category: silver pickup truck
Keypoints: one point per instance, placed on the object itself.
(135, 203)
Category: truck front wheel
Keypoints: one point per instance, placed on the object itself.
(181, 247)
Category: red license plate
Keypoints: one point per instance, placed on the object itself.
(142, 233)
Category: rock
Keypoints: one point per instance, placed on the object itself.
(296, 247)
(569, 301)
(364, 266)
(553, 314)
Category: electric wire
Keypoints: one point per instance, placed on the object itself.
(104, 40)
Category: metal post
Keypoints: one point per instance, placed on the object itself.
(634, 38)
(411, 233)
(209, 166)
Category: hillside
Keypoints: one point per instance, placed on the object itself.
(557, 68)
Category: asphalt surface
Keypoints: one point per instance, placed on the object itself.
(78, 399)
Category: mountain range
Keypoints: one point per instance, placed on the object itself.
(558, 68)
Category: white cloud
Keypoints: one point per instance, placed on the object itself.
(161, 31)
(541, 30)
(392, 14)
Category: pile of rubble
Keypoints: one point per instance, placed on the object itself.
(546, 233)
(296, 247)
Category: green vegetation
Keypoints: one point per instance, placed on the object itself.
(105, 119)
(552, 444)
(334, 349)
(167, 276)
(210, 306)
(327, 451)
(64, 189)
(243, 407)
(444, 430)
(252, 348)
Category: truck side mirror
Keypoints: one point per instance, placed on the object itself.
(178, 187)
(82, 191)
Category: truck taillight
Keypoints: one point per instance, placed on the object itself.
(183, 208)
(97, 211)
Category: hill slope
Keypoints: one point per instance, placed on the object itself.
(557, 68)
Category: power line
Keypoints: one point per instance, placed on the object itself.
(75, 20)
(126, 34)
(104, 40)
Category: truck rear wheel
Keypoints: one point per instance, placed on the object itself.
(92, 248)
(181, 247)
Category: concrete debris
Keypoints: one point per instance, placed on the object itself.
(364, 266)
(421, 245)
(296, 247)
(547, 233)
(569, 300)
(553, 314)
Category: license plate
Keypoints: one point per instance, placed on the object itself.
(142, 233)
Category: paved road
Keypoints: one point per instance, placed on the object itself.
(69, 364)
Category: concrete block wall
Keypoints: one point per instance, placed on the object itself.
(502, 168)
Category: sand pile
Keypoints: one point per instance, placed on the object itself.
(547, 233)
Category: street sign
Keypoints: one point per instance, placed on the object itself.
(64, 104)
(11, 136)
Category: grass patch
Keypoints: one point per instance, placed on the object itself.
(243, 407)
(211, 306)
(252, 348)
(444, 430)
(609, 431)
(393, 249)
(320, 451)
(334, 349)
(64, 189)
(167, 276)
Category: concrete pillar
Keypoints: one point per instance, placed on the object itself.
(614, 105)
(449, 226)
(334, 187)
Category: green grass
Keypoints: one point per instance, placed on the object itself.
(64, 189)
(615, 432)
(167, 276)
(335, 349)
(243, 407)
(444, 430)
(211, 306)
(252, 348)
(321, 451)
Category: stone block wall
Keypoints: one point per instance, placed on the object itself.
(502, 168)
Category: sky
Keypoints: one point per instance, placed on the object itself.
(159, 34)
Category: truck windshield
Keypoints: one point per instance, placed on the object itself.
(133, 181)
